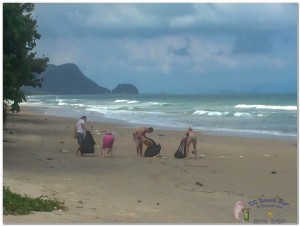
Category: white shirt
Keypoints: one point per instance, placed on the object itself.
(79, 128)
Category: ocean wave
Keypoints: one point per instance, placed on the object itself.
(77, 105)
(62, 104)
(33, 99)
(126, 101)
(31, 103)
(147, 104)
(158, 103)
(210, 113)
(242, 114)
(273, 107)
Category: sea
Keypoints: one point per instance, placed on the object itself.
(261, 115)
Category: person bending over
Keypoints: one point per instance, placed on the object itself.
(191, 139)
(139, 135)
(108, 142)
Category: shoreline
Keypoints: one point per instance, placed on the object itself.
(39, 159)
(213, 132)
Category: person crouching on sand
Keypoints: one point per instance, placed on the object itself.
(191, 138)
(138, 136)
(79, 133)
(108, 142)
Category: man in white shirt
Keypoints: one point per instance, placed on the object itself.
(79, 132)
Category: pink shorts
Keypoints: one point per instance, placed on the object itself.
(108, 141)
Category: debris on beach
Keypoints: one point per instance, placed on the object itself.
(65, 151)
(159, 156)
(201, 156)
(268, 156)
(194, 165)
(273, 172)
(97, 131)
(62, 142)
(161, 135)
(200, 184)
(49, 158)
(8, 141)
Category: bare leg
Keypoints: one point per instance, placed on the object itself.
(141, 150)
(195, 148)
(78, 151)
(110, 150)
(103, 151)
(188, 143)
(138, 148)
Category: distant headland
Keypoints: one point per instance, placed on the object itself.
(67, 79)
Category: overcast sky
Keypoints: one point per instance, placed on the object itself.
(175, 48)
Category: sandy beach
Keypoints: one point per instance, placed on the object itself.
(39, 158)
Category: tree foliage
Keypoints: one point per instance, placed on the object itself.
(21, 67)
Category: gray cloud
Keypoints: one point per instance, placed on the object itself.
(183, 51)
(252, 43)
(149, 20)
(113, 42)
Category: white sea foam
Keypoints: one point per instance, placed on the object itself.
(31, 103)
(132, 102)
(242, 114)
(210, 113)
(62, 103)
(258, 106)
(121, 101)
(77, 105)
(158, 103)
(126, 101)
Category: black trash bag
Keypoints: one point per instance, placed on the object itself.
(88, 144)
(181, 152)
(153, 149)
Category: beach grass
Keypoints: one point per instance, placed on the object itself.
(16, 204)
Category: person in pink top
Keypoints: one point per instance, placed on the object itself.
(107, 142)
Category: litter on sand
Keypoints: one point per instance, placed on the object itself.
(198, 183)
(65, 151)
(159, 156)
